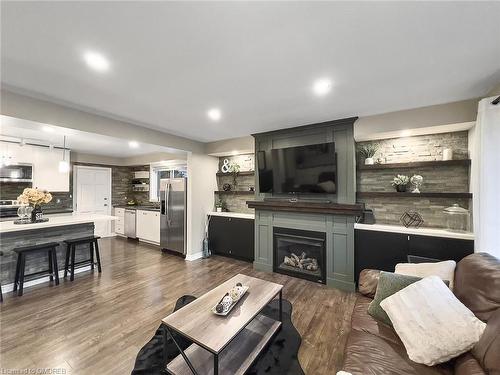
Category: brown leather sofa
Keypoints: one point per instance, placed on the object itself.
(375, 348)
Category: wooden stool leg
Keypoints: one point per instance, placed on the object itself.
(18, 267)
(1, 294)
(97, 255)
(66, 261)
(21, 274)
(55, 267)
(91, 251)
(72, 262)
(51, 262)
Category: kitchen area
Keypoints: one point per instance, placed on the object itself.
(59, 185)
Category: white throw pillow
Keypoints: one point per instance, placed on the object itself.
(432, 323)
(445, 270)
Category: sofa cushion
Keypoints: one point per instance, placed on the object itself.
(432, 323)
(388, 284)
(487, 350)
(444, 270)
(466, 364)
(369, 354)
(362, 321)
(477, 284)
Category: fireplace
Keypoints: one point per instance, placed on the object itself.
(300, 253)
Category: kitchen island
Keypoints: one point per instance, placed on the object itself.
(58, 229)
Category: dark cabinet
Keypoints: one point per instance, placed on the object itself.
(233, 237)
(383, 250)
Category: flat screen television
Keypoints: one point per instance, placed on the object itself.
(308, 169)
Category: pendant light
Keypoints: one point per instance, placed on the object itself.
(63, 164)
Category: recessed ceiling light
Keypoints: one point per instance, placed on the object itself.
(322, 86)
(133, 144)
(214, 114)
(48, 129)
(96, 61)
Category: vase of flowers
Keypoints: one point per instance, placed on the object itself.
(400, 182)
(36, 198)
(367, 152)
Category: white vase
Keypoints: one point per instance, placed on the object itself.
(219, 209)
(369, 161)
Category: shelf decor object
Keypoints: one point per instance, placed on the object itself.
(400, 182)
(411, 219)
(230, 300)
(416, 181)
(368, 152)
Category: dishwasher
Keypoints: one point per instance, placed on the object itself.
(130, 224)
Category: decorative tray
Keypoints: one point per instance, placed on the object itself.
(228, 302)
(21, 221)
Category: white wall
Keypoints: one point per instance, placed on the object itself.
(202, 183)
(485, 178)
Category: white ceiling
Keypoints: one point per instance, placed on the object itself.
(256, 61)
(14, 129)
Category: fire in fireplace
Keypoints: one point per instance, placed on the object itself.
(300, 253)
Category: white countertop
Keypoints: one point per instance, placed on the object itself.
(435, 232)
(55, 221)
(233, 214)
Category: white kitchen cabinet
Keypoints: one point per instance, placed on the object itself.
(148, 226)
(120, 221)
(46, 173)
(45, 164)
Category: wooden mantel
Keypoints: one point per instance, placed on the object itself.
(308, 207)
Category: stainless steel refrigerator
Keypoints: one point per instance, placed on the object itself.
(173, 214)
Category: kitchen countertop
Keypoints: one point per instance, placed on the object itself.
(55, 221)
(143, 208)
(422, 231)
(233, 214)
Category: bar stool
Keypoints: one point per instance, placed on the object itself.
(70, 264)
(52, 271)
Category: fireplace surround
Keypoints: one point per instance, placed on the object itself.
(300, 253)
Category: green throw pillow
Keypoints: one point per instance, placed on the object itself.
(388, 284)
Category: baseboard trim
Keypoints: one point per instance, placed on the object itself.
(10, 287)
(194, 256)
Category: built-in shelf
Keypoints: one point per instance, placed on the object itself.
(243, 173)
(381, 194)
(235, 192)
(416, 164)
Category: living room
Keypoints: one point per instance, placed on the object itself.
(250, 188)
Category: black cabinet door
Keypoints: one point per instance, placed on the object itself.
(232, 237)
(440, 247)
(378, 250)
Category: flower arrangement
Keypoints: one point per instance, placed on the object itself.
(400, 182)
(34, 197)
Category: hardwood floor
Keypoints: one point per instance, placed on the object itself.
(98, 323)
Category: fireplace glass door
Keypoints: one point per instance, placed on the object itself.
(300, 253)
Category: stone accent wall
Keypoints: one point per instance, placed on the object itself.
(421, 148)
(237, 203)
(451, 179)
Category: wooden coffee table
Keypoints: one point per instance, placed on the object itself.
(224, 344)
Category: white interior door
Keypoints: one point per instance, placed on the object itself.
(92, 190)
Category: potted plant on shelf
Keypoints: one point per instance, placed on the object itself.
(35, 198)
(234, 168)
(220, 205)
(400, 182)
(367, 152)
